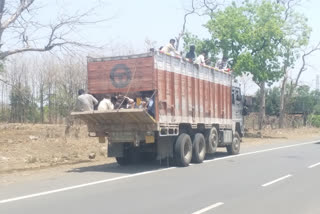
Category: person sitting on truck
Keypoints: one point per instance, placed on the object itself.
(191, 55)
(201, 59)
(222, 63)
(105, 104)
(85, 102)
(150, 106)
(170, 49)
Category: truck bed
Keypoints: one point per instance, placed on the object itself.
(117, 120)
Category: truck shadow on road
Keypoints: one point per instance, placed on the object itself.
(137, 167)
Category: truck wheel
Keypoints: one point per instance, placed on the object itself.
(234, 148)
(130, 156)
(123, 161)
(212, 139)
(183, 150)
(199, 148)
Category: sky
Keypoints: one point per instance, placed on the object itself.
(133, 21)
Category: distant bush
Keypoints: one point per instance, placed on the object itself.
(314, 120)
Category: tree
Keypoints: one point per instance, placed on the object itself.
(303, 102)
(17, 20)
(200, 8)
(272, 101)
(250, 36)
(297, 33)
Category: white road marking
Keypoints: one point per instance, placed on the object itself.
(142, 173)
(262, 151)
(314, 165)
(208, 208)
(82, 185)
(276, 180)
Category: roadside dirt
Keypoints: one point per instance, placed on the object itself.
(26, 146)
(28, 150)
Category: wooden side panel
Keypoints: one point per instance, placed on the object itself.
(119, 76)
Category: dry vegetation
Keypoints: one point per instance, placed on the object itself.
(27, 146)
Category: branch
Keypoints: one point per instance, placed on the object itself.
(303, 66)
(57, 35)
(2, 3)
(260, 48)
(181, 34)
(24, 4)
(49, 47)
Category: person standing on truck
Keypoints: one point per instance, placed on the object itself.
(191, 55)
(85, 102)
(170, 49)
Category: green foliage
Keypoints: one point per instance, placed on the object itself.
(258, 37)
(272, 101)
(250, 35)
(303, 101)
(23, 108)
(201, 45)
(314, 120)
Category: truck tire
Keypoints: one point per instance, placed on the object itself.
(212, 140)
(234, 148)
(123, 161)
(130, 156)
(198, 148)
(183, 150)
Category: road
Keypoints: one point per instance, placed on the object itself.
(276, 178)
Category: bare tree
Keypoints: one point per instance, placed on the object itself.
(17, 19)
(200, 8)
(284, 99)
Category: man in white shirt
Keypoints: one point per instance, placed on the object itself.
(105, 104)
(169, 48)
(201, 59)
(85, 102)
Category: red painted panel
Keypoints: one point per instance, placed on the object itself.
(180, 96)
(131, 74)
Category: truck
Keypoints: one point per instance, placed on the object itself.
(196, 108)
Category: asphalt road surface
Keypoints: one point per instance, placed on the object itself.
(277, 178)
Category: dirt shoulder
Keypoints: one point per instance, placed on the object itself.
(27, 146)
(268, 136)
(41, 150)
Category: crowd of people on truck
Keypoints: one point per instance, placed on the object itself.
(87, 102)
(191, 56)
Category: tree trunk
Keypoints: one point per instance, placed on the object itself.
(282, 99)
(41, 104)
(262, 109)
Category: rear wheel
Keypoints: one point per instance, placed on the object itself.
(212, 140)
(130, 156)
(123, 161)
(183, 150)
(234, 148)
(198, 148)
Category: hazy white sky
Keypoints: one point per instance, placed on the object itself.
(160, 20)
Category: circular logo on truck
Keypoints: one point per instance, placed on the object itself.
(120, 76)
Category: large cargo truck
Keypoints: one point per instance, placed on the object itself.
(196, 108)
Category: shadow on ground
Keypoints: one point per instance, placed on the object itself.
(136, 167)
